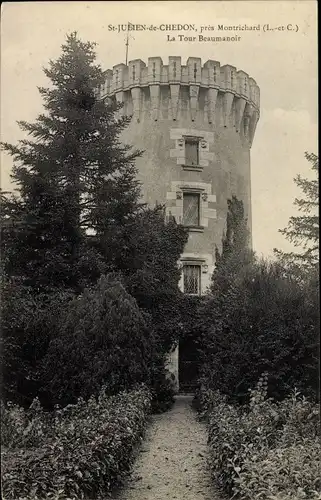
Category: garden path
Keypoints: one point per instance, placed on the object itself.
(172, 462)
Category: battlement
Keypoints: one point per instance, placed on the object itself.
(206, 86)
(210, 75)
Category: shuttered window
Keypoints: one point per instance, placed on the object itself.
(192, 279)
(191, 209)
(191, 152)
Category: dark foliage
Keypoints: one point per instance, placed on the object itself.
(258, 317)
(28, 324)
(148, 260)
(103, 338)
(264, 322)
(74, 175)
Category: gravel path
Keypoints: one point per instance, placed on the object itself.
(172, 461)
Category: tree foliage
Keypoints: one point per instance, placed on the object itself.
(235, 251)
(266, 321)
(28, 323)
(103, 338)
(72, 176)
(257, 317)
(149, 264)
(148, 254)
(76, 217)
(303, 230)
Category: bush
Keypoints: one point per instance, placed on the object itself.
(206, 400)
(264, 320)
(59, 347)
(28, 323)
(264, 448)
(24, 429)
(291, 473)
(81, 451)
(162, 390)
(103, 339)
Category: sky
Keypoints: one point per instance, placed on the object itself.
(283, 62)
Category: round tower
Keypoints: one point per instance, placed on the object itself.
(196, 124)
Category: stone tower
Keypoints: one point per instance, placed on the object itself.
(196, 124)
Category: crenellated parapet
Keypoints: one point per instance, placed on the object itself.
(218, 95)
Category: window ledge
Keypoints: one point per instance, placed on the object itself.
(195, 168)
(195, 229)
(192, 261)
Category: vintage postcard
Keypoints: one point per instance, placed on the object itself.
(159, 242)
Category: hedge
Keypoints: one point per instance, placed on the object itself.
(265, 450)
(80, 451)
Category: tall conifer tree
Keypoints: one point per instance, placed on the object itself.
(72, 176)
(236, 252)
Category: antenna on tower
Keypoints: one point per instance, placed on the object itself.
(127, 42)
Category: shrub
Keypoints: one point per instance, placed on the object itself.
(162, 390)
(148, 260)
(24, 428)
(59, 347)
(28, 323)
(87, 452)
(13, 424)
(206, 400)
(285, 473)
(265, 449)
(264, 320)
(103, 339)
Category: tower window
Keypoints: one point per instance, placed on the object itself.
(191, 209)
(191, 152)
(192, 279)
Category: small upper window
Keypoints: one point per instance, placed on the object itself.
(191, 209)
(192, 152)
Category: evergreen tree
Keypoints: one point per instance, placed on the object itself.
(235, 252)
(215, 314)
(303, 230)
(103, 338)
(74, 175)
